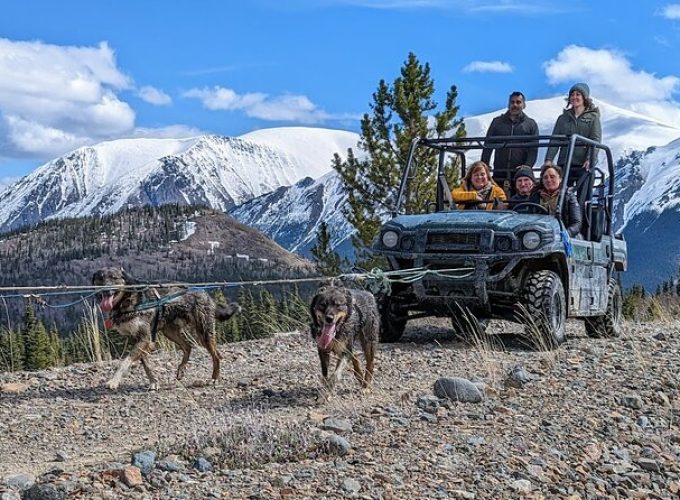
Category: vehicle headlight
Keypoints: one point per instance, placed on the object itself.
(390, 239)
(531, 240)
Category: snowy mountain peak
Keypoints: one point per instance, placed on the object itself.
(218, 171)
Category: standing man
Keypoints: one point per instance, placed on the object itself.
(511, 123)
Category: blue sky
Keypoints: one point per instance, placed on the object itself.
(79, 72)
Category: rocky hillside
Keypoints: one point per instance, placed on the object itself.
(595, 419)
(168, 244)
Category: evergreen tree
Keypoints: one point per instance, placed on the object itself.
(327, 261)
(38, 350)
(267, 314)
(399, 113)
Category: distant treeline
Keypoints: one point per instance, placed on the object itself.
(33, 346)
(143, 240)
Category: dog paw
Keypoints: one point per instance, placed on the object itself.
(366, 390)
(154, 386)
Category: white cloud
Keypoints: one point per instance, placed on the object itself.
(671, 11)
(170, 132)
(154, 96)
(53, 98)
(612, 78)
(294, 108)
(487, 67)
(531, 7)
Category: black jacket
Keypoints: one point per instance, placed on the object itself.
(507, 159)
(571, 213)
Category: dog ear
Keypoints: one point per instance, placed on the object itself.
(129, 280)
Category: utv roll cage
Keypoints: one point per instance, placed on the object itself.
(460, 146)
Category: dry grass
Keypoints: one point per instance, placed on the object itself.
(247, 441)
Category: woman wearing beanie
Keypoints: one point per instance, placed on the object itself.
(477, 186)
(579, 117)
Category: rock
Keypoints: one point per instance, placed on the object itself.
(475, 440)
(339, 425)
(351, 485)
(145, 461)
(202, 465)
(649, 464)
(19, 481)
(465, 495)
(61, 456)
(337, 445)
(13, 387)
(170, 464)
(457, 389)
(522, 486)
(428, 403)
(518, 377)
(43, 492)
(659, 336)
(632, 401)
(643, 422)
(131, 476)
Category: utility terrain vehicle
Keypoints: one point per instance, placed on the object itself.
(503, 263)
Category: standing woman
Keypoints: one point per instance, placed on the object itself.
(478, 186)
(579, 117)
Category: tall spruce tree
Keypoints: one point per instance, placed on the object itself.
(327, 261)
(399, 113)
(38, 352)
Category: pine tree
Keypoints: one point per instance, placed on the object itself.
(327, 261)
(399, 113)
(38, 351)
(267, 314)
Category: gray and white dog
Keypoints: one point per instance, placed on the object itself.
(187, 320)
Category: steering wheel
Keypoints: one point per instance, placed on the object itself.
(532, 205)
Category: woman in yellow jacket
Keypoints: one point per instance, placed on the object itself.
(478, 186)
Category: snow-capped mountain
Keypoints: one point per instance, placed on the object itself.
(221, 172)
(291, 215)
(650, 220)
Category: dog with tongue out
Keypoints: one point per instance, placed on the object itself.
(340, 316)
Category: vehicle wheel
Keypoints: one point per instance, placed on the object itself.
(611, 323)
(547, 307)
(391, 326)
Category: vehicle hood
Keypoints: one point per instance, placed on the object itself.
(505, 221)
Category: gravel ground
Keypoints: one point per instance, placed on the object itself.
(594, 419)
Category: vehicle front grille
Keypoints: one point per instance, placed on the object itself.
(453, 242)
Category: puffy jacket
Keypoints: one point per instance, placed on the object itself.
(586, 124)
(507, 159)
(462, 194)
(571, 213)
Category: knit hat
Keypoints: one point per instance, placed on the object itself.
(581, 88)
(524, 171)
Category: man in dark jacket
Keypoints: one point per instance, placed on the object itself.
(511, 123)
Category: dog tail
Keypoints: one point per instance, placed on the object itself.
(226, 312)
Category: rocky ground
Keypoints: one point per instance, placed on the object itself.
(594, 419)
